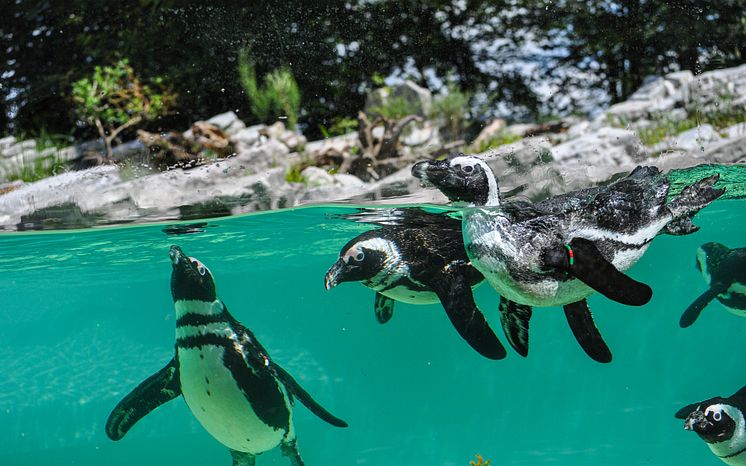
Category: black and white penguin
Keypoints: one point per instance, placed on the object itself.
(469, 180)
(418, 258)
(724, 270)
(720, 423)
(233, 388)
(558, 251)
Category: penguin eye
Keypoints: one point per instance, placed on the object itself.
(359, 256)
(201, 269)
(717, 416)
(467, 169)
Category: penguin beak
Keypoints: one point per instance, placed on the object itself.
(177, 256)
(697, 422)
(334, 276)
(431, 171)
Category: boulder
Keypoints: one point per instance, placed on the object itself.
(657, 94)
(294, 141)
(19, 148)
(315, 177)
(695, 139)
(520, 155)
(248, 136)
(6, 142)
(228, 122)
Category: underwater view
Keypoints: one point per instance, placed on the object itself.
(88, 315)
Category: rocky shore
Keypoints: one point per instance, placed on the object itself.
(674, 121)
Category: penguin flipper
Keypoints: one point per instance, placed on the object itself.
(241, 458)
(456, 297)
(695, 309)
(515, 318)
(594, 270)
(297, 391)
(159, 388)
(384, 307)
(581, 323)
(289, 449)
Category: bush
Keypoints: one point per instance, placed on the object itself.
(340, 127)
(278, 97)
(452, 108)
(115, 99)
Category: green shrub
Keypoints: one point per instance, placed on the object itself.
(340, 127)
(114, 99)
(452, 108)
(500, 139)
(394, 108)
(278, 97)
(42, 167)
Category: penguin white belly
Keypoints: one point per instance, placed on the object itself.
(409, 296)
(735, 292)
(218, 403)
(724, 452)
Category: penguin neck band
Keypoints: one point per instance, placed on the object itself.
(570, 255)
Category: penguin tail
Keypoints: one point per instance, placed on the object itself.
(694, 197)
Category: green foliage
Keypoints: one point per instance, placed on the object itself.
(278, 97)
(340, 127)
(293, 175)
(393, 107)
(42, 167)
(115, 96)
(500, 139)
(664, 127)
(452, 107)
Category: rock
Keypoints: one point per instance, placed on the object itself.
(728, 150)
(294, 141)
(6, 142)
(228, 122)
(260, 158)
(424, 137)
(212, 138)
(520, 155)
(248, 136)
(315, 177)
(600, 153)
(518, 129)
(20, 148)
(338, 187)
(735, 131)
(695, 139)
(578, 129)
(418, 99)
(709, 89)
(489, 132)
(657, 94)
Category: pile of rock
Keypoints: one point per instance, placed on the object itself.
(268, 166)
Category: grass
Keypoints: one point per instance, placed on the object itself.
(500, 139)
(664, 127)
(293, 175)
(42, 167)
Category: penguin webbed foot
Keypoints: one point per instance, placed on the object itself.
(290, 451)
(515, 320)
(384, 308)
(241, 458)
(581, 259)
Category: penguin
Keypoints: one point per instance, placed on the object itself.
(229, 382)
(724, 270)
(559, 251)
(720, 423)
(468, 180)
(418, 258)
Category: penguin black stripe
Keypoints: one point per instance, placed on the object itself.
(198, 341)
(194, 319)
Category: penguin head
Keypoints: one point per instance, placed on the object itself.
(462, 178)
(361, 259)
(190, 279)
(714, 422)
(709, 256)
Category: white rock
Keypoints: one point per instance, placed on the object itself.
(6, 142)
(315, 177)
(228, 122)
(18, 148)
(602, 152)
(735, 131)
(695, 139)
(248, 136)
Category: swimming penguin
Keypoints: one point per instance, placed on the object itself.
(558, 251)
(468, 179)
(724, 270)
(720, 423)
(233, 388)
(418, 258)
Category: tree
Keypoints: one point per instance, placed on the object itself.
(115, 99)
(278, 97)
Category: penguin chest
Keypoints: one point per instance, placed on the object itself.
(220, 404)
(734, 299)
(728, 453)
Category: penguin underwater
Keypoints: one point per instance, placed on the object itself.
(558, 251)
(724, 270)
(720, 423)
(230, 384)
(418, 258)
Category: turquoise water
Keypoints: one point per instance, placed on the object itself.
(87, 315)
